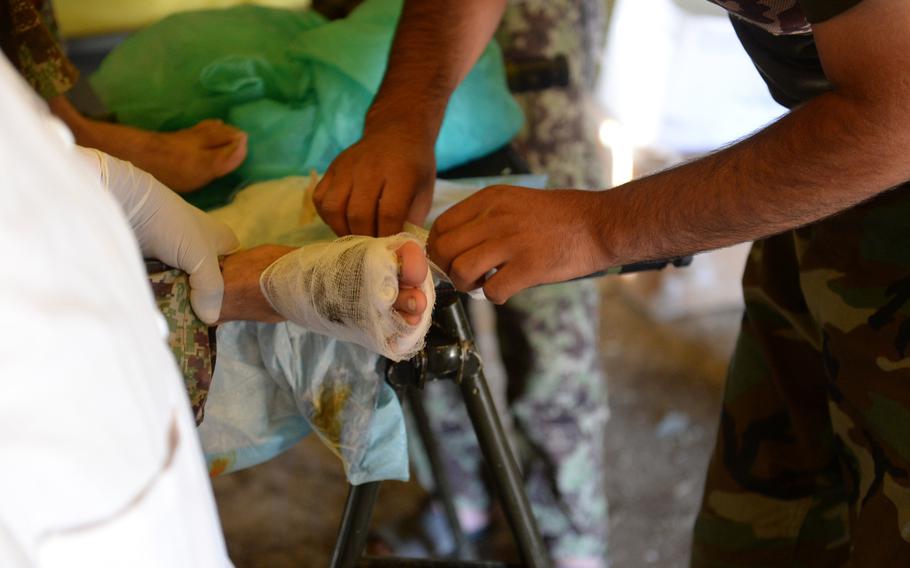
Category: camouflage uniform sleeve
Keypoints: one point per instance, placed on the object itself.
(28, 36)
(191, 341)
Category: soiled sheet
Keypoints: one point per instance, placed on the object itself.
(276, 383)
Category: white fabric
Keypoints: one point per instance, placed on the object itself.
(345, 288)
(280, 211)
(169, 229)
(99, 461)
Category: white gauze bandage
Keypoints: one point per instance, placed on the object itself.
(345, 289)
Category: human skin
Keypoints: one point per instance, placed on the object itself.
(243, 298)
(833, 152)
(183, 160)
(387, 177)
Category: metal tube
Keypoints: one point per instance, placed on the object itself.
(463, 549)
(355, 522)
(508, 480)
(495, 446)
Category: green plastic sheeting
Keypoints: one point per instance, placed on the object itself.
(298, 85)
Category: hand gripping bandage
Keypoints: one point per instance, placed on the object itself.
(345, 289)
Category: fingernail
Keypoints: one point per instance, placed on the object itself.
(412, 305)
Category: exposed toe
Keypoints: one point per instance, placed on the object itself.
(413, 265)
(410, 303)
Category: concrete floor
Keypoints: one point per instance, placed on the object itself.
(665, 382)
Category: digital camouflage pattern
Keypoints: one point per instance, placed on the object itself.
(557, 391)
(28, 36)
(560, 135)
(812, 462)
(191, 341)
(549, 335)
(556, 402)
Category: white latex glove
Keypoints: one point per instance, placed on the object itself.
(169, 229)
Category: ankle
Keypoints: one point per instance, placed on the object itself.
(243, 297)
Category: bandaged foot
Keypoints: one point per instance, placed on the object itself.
(377, 293)
(350, 288)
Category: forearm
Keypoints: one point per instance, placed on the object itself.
(830, 154)
(826, 156)
(435, 45)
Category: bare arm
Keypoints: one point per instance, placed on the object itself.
(387, 177)
(435, 45)
(835, 151)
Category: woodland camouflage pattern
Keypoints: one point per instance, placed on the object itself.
(812, 463)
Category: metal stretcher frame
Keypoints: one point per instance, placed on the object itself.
(450, 354)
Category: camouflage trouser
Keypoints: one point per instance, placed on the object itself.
(191, 341)
(560, 135)
(548, 335)
(556, 395)
(812, 462)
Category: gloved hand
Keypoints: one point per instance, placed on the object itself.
(169, 229)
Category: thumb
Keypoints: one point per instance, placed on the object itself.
(221, 235)
(207, 290)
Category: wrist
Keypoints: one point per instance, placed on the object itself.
(603, 230)
(414, 122)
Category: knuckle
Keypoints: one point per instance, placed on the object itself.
(390, 215)
(460, 273)
(439, 247)
(328, 207)
(434, 253)
(356, 217)
(494, 294)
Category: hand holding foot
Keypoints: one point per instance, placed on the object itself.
(374, 292)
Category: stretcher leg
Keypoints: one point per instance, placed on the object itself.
(443, 489)
(449, 354)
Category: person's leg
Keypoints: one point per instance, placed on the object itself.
(460, 453)
(774, 495)
(549, 335)
(811, 462)
(557, 393)
(244, 300)
(183, 160)
(193, 342)
(856, 277)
